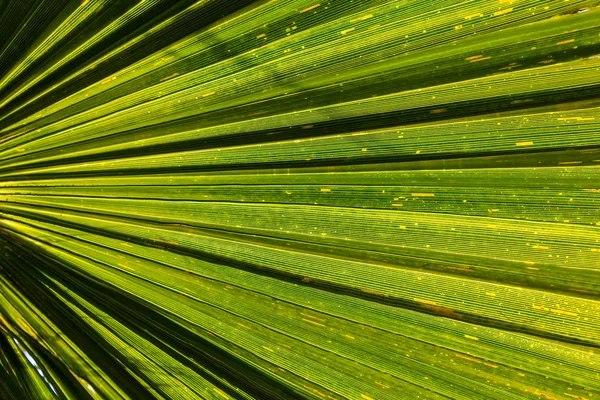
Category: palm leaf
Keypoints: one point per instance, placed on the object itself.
(286, 199)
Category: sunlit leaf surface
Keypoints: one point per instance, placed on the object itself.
(289, 199)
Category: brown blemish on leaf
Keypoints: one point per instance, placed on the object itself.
(173, 75)
(443, 311)
(468, 358)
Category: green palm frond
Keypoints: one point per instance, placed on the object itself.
(281, 199)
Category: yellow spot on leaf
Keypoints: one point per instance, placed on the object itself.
(576, 119)
(562, 312)
(423, 194)
(347, 30)
(108, 80)
(524, 143)
(481, 59)
(471, 337)
(364, 17)
(576, 397)
(315, 391)
(126, 267)
(566, 41)
(470, 17)
(310, 8)
(163, 60)
(433, 303)
(220, 393)
(312, 316)
(312, 322)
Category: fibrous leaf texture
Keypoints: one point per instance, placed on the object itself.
(300, 199)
